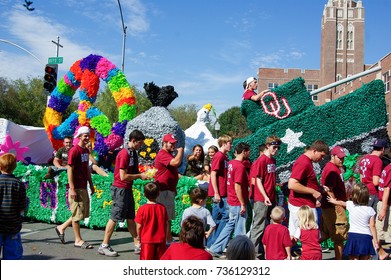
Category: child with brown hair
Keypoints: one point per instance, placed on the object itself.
(198, 201)
(362, 237)
(152, 225)
(276, 240)
(12, 204)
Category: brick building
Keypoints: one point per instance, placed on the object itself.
(341, 56)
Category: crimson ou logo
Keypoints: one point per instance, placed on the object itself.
(273, 107)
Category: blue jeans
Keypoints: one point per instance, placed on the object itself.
(220, 217)
(11, 246)
(236, 223)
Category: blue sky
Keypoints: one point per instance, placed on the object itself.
(204, 48)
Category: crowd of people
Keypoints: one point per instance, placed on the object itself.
(238, 189)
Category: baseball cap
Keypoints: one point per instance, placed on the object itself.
(338, 151)
(169, 138)
(250, 80)
(82, 130)
(380, 143)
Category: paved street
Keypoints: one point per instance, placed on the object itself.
(40, 242)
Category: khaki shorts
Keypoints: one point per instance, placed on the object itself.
(167, 198)
(335, 223)
(80, 206)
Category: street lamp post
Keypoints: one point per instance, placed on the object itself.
(123, 38)
(217, 128)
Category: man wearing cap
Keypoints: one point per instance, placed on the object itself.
(250, 94)
(167, 176)
(371, 167)
(78, 177)
(335, 222)
(264, 189)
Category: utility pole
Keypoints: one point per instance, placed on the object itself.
(57, 45)
(124, 37)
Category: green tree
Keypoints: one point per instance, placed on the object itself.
(24, 102)
(233, 123)
(185, 115)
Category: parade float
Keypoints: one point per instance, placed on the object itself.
(352, 121)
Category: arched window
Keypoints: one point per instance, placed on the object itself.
(339, 36)
(350, 37)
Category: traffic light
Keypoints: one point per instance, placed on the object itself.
(50, 78)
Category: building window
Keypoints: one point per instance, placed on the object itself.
(312, 87)
(386, 80)
(339, 37)
(272, 85)
(314, 97)
(350, 37)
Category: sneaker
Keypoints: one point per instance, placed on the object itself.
(137, 249)
(107, 251)
(215, 255)
(50, 174)
(325, 249)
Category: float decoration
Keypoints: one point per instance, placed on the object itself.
(84, 75)
(14, 148)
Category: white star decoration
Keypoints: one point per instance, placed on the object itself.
(291, 138)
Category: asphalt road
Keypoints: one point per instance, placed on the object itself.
(40, 242)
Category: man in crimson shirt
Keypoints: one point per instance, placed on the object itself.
(303, 184)
(383, 223)
(237, 189)
(335, 221)
(167, 176)
(78, 177)
(125, 172)
(251, 86)
(217, 188)
(264, 190)
(371, 167)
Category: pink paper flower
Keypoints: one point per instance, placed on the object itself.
(10, 147)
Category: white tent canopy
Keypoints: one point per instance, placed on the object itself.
(35, 138)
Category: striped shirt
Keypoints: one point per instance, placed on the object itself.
(12, 203)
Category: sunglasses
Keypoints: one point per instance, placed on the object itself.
(275, 147)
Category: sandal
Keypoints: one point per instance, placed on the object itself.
(386, 256)
(60, 235)
(85, 245)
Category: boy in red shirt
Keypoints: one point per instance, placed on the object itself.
(264, 190)
(276, 239)
(217, 188)
(151, 225)
(237, 190)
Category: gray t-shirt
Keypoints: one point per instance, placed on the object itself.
(202, 213)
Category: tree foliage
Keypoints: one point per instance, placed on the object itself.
(185, 115)
(233, 123)
(24, 102)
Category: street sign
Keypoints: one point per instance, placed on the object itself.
(55, 60)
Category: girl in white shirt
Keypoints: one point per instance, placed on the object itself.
(362, 238)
